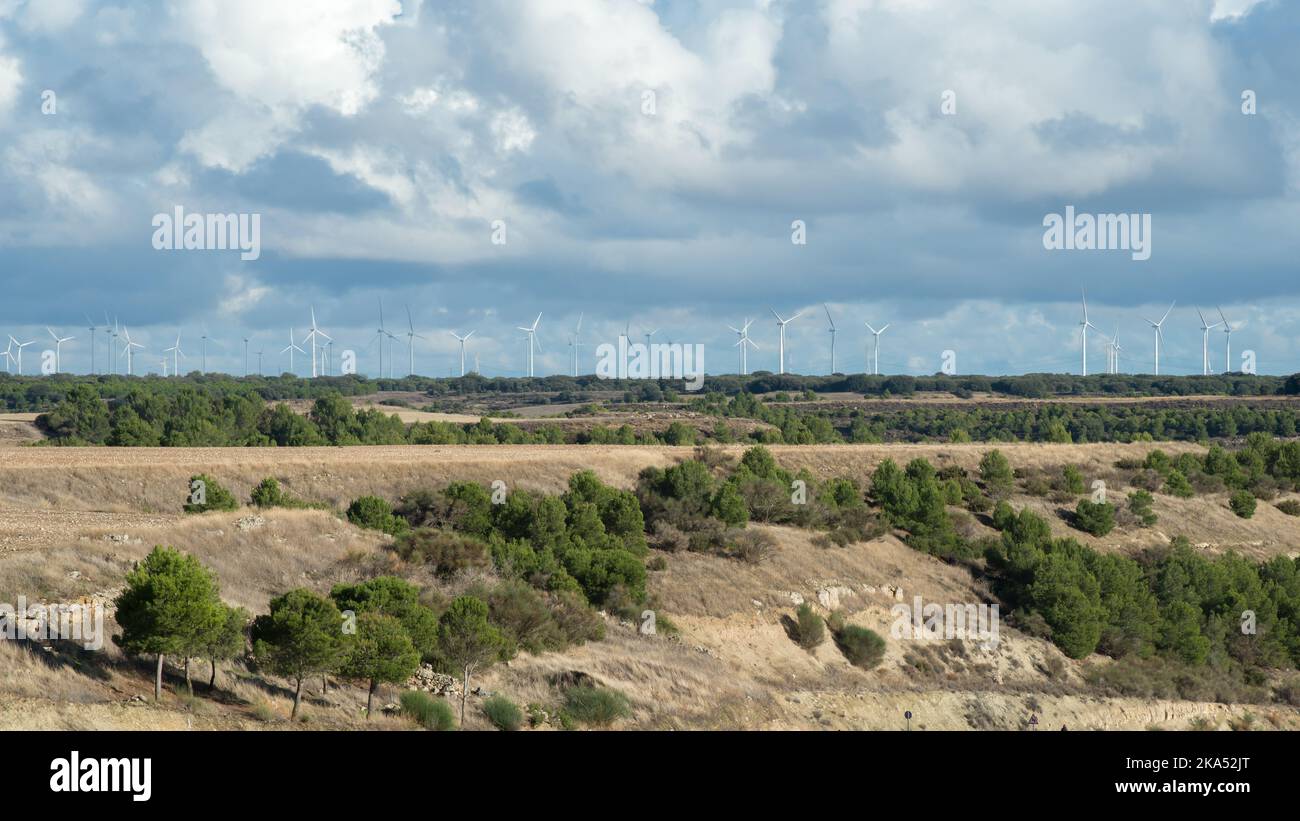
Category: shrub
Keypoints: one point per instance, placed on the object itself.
(1139, 504)
(862, 647)
(1290, 507)
(427, 711)
(1072, 479)
(374, 513)
(811, 628)
(996, 473)
(447, 553)
(1176, 484)
(1095, 518)
(752, 546)
(596, 706)
(1242, 503)
(267, 493)
(206, 493)
(503, 713)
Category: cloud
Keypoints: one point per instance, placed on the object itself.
(276, 60)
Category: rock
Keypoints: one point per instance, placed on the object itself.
(756, 603)
(249, 522)
(830, 597)
(430, 681)
(795, 599)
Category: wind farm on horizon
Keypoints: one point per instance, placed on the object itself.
(117, 352)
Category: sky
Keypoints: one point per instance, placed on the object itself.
(650, 165)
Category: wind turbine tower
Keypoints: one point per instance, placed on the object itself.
(1084, 325)
(1160, 334)
(1205, 342)
(875, 352)
(532, 340)
(781, 323)
(833, 332)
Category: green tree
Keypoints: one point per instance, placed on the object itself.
(170, 604)
(1097, 518)
(300, 637)
(995, 471)
(206, 493)
(392, 596)
(1139, 504)
(226, 642)
(268, 493)
(381, 651)
(374, 513)
(1242, 503)
(467, 642)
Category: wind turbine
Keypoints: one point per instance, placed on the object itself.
(126, 349)
(20, 345)
(743, 333)
(112, 343)
(575, 342)
(647, 340)
(1227, 351)
(1114, 348)
(1205, 342)
(245, 356)
(462, 339)
(311, 335)
(781, 323)
(205, 339)
(876, 349)
(259, 363)
(1160, 334)
(290, 349)
(90, 326)
(833, 332)
(8, 354)
(177, 353)
(1084, 325)
(532, 340)
(411, 336)
(58, 348)
(380, 334)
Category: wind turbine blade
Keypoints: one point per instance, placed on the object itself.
(882, 330)
(778, 316)
(1224, 318)
(579, 328)
(1166, 316)
(869, 328)
(468, 335)
(535, 321)
(828, 315)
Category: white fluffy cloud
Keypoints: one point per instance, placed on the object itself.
(277, 60)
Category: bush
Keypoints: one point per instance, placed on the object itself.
(374, 513)
(811, 628)
(596, 706)
(447, 553)
(1242, 503)
(862, 647)
(1290, 507)
(427, 711)
(503, 713)
(1139, 504)
(1072, 479)
(205, 493)
(1176, 484)
(267, 493)
(752, 546)
(1095, 518)
(996, 473)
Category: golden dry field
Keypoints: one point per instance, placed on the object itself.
(72, 520)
